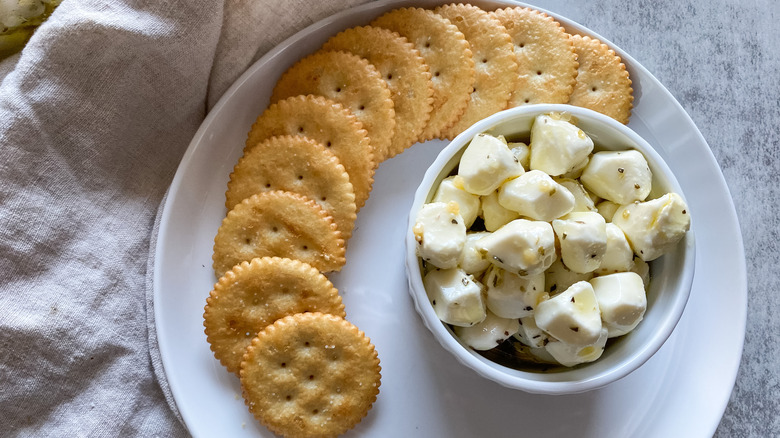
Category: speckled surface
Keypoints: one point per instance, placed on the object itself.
(721, 60)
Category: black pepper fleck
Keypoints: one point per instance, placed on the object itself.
(529, 308)
(621, 170)
(575, 329)
(455, 222)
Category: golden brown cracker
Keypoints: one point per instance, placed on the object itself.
(405, 72)
(328, 123)
(448, 56)
(310, 375)
(494, 61)
(547, 64)
(350, 80)
(603, 84)
(254, 294)
(278, 224)
(300, 165)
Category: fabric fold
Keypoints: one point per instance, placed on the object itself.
(94, 117)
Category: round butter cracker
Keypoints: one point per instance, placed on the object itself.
(310, 375)
(603, 83)
(547, 64)
(300, 165)
(328, 123)
(278, 224)
(446, 52)
(494, 63)
(350, 80)
(405, 72)
(254, 294)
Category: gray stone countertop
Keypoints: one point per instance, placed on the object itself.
(721, 60)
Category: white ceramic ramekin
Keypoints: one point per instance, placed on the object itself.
(671, 274)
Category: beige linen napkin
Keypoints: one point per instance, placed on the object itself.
(95, 115)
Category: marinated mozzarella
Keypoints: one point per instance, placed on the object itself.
(451, 189)
(494, 215)
(486, 163)
(570, 355)
(530, 334)
(582, 200)
(471, 259)
(577, 171)
(642, 269)
(440, 234)
(607, 209)
(558, 278)
(622, 301)
(522, 153)
(654, 227)
(583, 240)
(492, 331)
(557, 146)
(572, 316)
(522, 247)
(619, 257)
(536, 195)
(456, 296)
(550, 263)
(620, 177)
(512, 296)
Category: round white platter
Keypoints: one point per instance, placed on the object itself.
(681, 391)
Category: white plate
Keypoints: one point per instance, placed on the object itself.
(681, 391)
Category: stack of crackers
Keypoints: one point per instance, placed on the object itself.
(369, 93)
